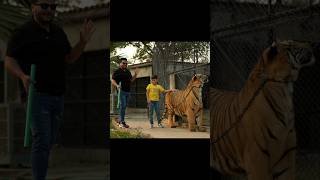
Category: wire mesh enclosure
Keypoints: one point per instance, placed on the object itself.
(183, 73)
(240, 30)
(183, 77)
(176, 63)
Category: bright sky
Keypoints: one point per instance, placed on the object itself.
(127, 52)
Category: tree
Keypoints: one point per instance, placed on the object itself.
(113, 56)
(12, 14)
(115, 45)
(196, 52)
(168, 52)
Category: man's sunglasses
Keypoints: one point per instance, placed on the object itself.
(45, 6)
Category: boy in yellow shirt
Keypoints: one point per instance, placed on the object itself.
(153, 96)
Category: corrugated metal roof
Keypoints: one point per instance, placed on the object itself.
(93, 12)
(140, 65)
(81, 9)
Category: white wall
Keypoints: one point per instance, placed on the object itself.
(100, 39)
(144, 71)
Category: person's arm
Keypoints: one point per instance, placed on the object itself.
(75, 53)
(12, 66)
(85, 35)
(164, 90)
(147, 95)
(115, 84)
(136, 71)
(134, 77)
(169, 90)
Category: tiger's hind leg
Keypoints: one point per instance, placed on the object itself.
(285, 167)
(199, 120)
(257, 163)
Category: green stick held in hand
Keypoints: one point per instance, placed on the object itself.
(27, 132)
(119, 90)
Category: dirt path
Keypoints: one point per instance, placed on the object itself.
(139, 121)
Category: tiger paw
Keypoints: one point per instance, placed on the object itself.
(202, 129)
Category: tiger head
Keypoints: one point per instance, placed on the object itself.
(283, 60)
(198, 80)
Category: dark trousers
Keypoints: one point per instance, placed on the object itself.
(46, 119)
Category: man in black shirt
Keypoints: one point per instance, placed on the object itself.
(46, 45)
(124, 76)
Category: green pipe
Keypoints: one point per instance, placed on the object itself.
(119, 91)
(27, 132)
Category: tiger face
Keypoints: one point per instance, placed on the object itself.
(283, 60)
(198, 80)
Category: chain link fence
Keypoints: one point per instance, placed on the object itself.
(165, 65)
(183, 77)
(240, 30)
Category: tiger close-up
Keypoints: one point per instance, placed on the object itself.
(253, 131)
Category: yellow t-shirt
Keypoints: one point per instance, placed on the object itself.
(154, 92)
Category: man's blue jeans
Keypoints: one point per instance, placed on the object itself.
(47, 115)
(154, 105)
(124, 98)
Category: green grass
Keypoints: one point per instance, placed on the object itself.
(119, 133)
(122, 134)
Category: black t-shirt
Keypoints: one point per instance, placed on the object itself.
(123, 76)
(31, 44)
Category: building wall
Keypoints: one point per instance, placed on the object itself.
(86, 87)
(100, 38)
(143, 71)
(9, 91)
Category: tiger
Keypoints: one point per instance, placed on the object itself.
(252, 131)
(187, 102)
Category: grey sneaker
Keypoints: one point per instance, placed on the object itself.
(123, 125)
(151, 126)
(160, 126)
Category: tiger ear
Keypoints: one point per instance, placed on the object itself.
(194, 77)
(273, 51)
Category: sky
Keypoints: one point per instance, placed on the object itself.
(127, 52)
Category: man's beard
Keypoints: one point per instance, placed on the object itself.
(44, 20)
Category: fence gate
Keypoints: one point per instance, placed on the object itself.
(240, 30)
